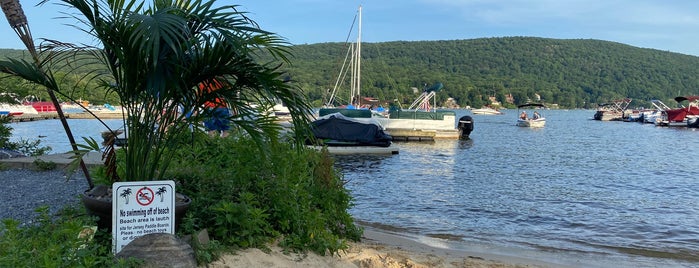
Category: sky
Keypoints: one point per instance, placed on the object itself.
(670, 25)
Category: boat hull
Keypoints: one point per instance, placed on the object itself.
(486, 111)
(360, 150)
(533, 123)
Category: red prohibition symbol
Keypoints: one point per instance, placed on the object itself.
(144, 196)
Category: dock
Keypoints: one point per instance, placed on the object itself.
(401, 134)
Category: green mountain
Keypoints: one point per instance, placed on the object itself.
(571, 73)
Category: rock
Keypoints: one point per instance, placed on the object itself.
(5, 154)
(201, 238)
(160, 250)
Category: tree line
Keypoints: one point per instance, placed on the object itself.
(573, 73)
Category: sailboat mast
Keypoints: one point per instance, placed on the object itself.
(359, 60)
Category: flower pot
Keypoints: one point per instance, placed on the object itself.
(98, 202)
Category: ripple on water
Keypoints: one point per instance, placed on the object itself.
(577, 184)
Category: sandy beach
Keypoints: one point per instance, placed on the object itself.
(378, 249)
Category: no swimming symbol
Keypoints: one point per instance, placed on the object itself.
(145, 196)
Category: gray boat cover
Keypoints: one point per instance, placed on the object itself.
(339, 130)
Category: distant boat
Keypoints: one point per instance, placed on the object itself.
(536, 121)
(15, 108)
(683, 116)
(486, 111)
(613, 111)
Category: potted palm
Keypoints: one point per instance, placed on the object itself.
(156, 56)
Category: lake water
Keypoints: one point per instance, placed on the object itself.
(578, 192)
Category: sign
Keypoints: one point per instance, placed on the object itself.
(140, 208)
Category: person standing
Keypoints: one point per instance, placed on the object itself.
(217, 122)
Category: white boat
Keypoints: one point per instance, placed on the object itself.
(486, 111)
(655, 115)
(535, 121)
(613, 111)
(16, 108)
(418, 122)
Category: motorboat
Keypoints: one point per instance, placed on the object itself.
(486, 111)
(684, 116)
(656, 114)
(346, 135)
(536, 120)
(15, 107)
(613, 111)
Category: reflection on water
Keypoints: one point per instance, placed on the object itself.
(577, 185)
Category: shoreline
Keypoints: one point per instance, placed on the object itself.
(383, 248)
(377, 248)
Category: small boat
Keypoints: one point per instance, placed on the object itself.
(656, 114)
(16, 109)
(536, 121)
(345, 135)
(14, 106)
(10, 113)
(486, 111)
(683, 116)
(613, 111)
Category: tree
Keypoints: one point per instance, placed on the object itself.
(125, 194)
(154, 57)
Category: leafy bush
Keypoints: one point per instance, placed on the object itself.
(64, 242)
(246, 198)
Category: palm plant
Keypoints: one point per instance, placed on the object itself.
(155, 56)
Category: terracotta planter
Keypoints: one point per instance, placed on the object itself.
(98, 202)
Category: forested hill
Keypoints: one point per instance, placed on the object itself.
(572, 73)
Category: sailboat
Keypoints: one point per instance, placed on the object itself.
(420, 122)
(344, 130)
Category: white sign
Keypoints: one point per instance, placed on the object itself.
(140, 208)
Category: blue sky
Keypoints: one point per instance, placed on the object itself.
(671, 25)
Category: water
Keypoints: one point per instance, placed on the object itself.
(577, 192)
(51, 133)
(615, 192)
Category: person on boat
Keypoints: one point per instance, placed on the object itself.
(523, 115)
(536, 115)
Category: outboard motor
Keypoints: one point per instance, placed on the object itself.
(465, 127)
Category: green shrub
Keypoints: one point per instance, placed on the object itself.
(246, 198)
(56, 243)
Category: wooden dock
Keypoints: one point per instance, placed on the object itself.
(422, 134)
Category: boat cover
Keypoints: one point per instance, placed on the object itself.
(339, 130)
